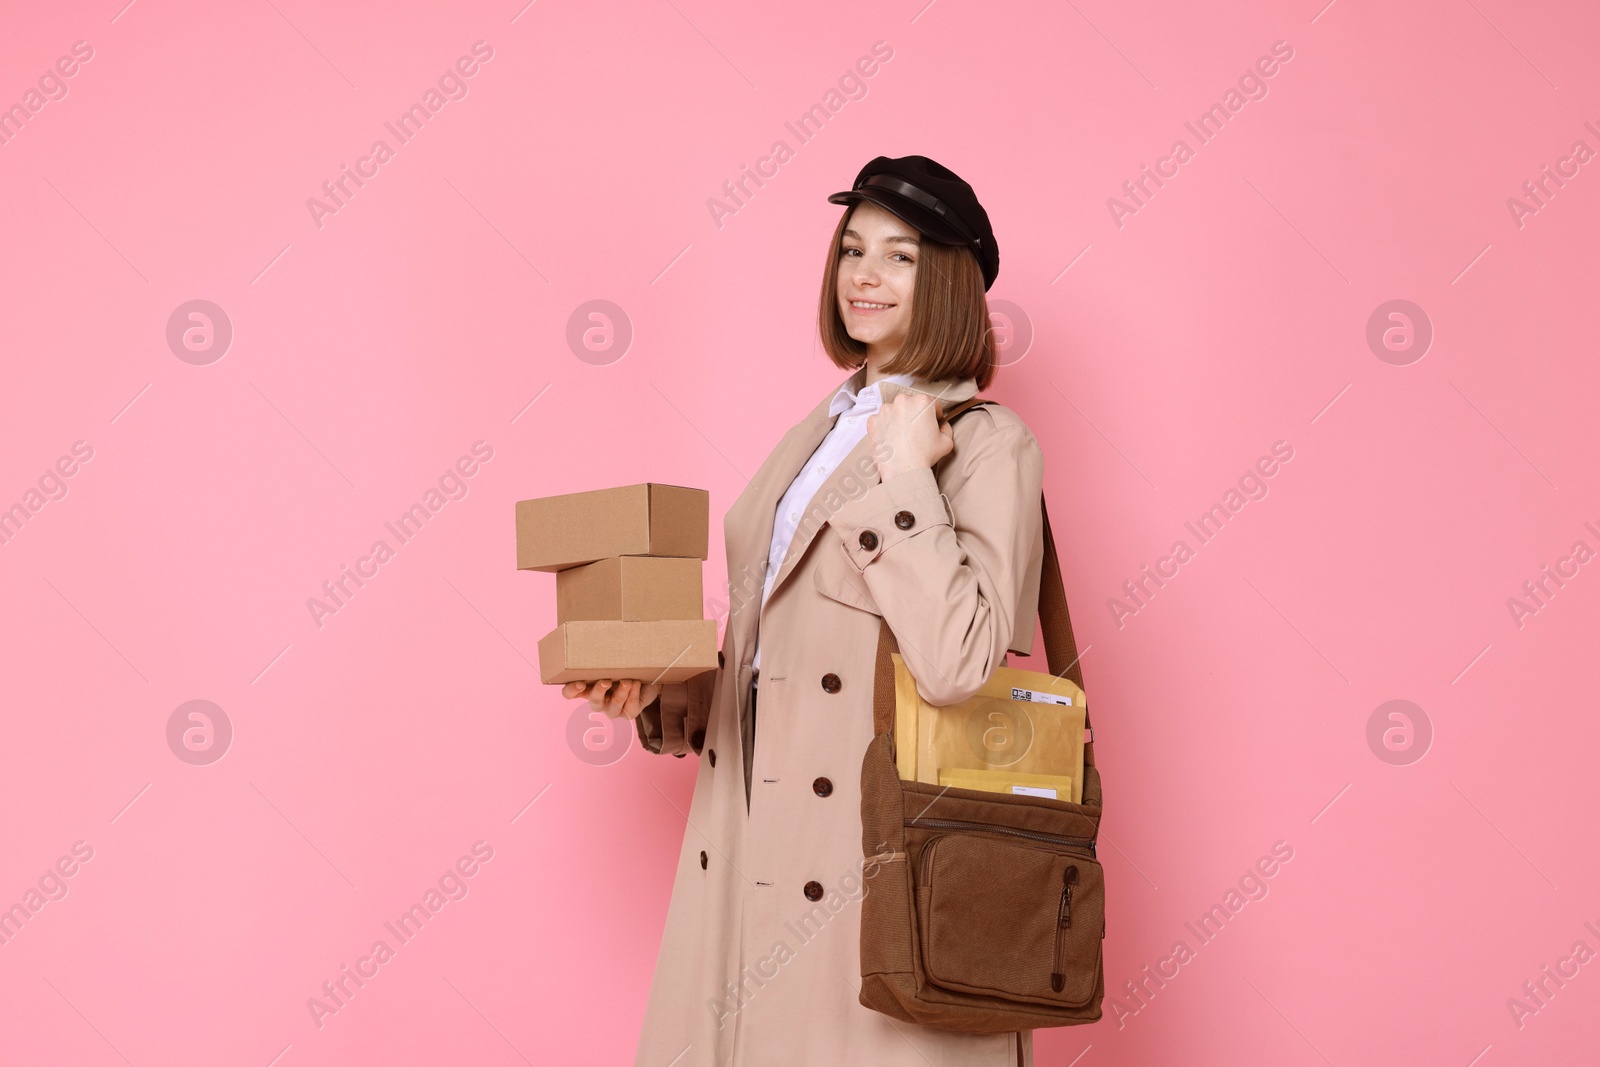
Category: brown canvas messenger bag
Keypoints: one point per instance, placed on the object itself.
(985, 911)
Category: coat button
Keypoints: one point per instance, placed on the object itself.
(720, 660)
(830, 683)
(904, 519)
(697, 739)
(822, 787)
(868, 540)
(813, 890)
(702, 859)
(712, 753)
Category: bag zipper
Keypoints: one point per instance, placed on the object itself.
(1034, 835)
(1069, 877)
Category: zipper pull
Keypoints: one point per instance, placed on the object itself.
(1069, 878)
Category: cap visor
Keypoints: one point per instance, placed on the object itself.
(919, 218)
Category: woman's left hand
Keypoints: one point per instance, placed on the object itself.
(907, 435)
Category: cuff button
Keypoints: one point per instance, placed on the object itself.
(868, 540)
(905, 520)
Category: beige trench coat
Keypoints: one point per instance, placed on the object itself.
(751, 971)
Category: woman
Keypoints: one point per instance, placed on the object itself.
(869, 508)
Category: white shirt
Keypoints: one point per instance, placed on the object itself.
(852, 409)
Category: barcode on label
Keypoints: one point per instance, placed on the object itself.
(1035, 697)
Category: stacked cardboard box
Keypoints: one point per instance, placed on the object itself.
(628, 595)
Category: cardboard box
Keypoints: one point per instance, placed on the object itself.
(557, 532)
(664, 651)
(630, 589)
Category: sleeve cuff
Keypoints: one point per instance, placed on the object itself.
(888, 513)
(663, 733)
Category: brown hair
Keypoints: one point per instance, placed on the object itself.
(950, 334)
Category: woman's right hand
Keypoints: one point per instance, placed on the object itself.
(624, 699)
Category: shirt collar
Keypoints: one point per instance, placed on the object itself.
(855, 399)
(947, 391)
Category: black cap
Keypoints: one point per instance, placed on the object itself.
(934, 199)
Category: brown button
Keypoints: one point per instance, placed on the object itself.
(822, 787)
(830, 683)
(712, 753)
(813, 890)
(697, 739)
(702, 860)
(904, 519)
(868, 540)
(719, 659)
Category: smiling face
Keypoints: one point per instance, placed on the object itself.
(878, 256)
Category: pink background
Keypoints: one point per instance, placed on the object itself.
(370, 752)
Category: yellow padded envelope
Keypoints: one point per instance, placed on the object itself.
(1054, 786)
(1019, 723)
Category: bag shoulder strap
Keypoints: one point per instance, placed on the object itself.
(1060, 646)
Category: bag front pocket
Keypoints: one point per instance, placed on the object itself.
(1020, 920)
